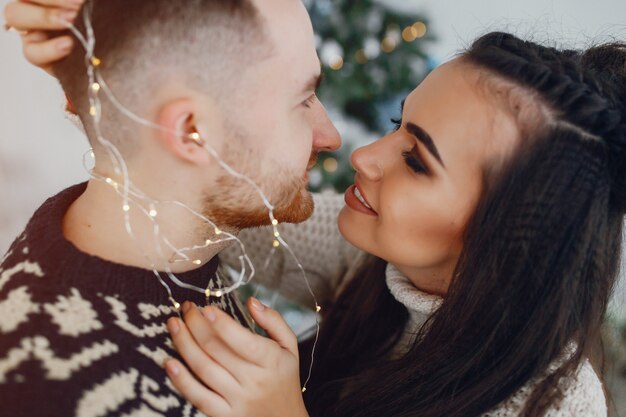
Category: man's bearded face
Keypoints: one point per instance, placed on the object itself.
(236, 204)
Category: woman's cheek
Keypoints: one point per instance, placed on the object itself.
(421, 231)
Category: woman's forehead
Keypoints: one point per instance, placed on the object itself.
(465, 124)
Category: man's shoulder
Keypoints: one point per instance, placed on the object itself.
(18, 266)
(92, 350)
(41, 247)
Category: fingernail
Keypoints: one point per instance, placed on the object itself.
(64, 45)
(68, 15)
(186, 306)
(256, 304)
(173, 326)
(172, 368)
(210, 314)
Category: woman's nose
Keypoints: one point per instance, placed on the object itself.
(367, 163)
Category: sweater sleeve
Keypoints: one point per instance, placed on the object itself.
(583, 397)
(327, 259)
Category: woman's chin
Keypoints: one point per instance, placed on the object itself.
(351, 230)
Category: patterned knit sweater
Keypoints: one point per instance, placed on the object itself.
(81, 336)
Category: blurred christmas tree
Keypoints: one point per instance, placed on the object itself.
(372, 56)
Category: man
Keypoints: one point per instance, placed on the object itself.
(81, 312)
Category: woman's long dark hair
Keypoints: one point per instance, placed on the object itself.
(540, 259)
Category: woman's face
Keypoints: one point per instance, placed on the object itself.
(423, 181)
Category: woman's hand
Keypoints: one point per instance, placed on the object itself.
(33, 19)
(235, 372)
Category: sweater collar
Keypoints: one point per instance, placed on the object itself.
(47, 226)
(419, 303)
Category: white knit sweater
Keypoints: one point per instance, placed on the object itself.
(330, 262)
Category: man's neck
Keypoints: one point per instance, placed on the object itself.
(95, 224)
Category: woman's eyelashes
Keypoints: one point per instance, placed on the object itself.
(411, 158)
(397, 123)
(413, 161)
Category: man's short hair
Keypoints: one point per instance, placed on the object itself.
(205, 44)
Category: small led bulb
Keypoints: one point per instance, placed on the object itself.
(153, 213)
(218, 293)
(95, 87)
(218, 231)
(318, 308)
(197, 262)
(177, 305)
(95, 61)
(93, 111)
(276, 243)
(276, 234)
(275, 222)
(126, 207)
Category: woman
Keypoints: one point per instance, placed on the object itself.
(495, 211)
(493, 215)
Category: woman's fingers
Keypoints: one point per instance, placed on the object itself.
(205, 368)
(42, 52)
(65, 4)
(34, 18)
(273, 323)
(202, 332)
(251, 347)
(207, 401)
(28, 16)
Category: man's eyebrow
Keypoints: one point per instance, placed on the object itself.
(421, 135)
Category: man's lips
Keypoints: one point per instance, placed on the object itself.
(312, 162)
(310, 166)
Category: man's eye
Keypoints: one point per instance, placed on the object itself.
(397, 124)
(309, 101)
(413, 161)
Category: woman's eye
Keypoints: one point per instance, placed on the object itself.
(413, 161)
(397, 124)
(309, 101)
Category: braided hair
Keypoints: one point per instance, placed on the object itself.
(540, 259)
(586, 90)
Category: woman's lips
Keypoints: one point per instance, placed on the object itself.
(354, 203)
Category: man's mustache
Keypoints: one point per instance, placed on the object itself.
(312, 160)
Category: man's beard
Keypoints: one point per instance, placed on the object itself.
(238, 206)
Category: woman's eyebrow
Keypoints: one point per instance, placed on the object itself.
(421, 135)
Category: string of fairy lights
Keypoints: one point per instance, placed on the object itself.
(132, 197)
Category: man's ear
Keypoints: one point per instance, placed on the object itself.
(181, 121)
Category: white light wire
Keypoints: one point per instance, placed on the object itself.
(131, 194)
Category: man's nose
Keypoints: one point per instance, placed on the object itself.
(325, 134)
